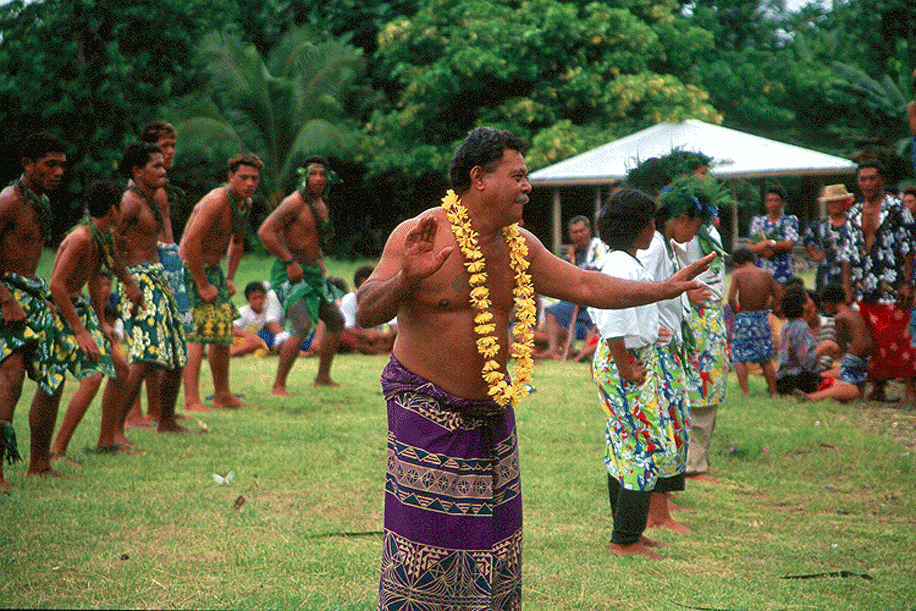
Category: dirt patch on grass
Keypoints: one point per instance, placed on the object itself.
(898, 423)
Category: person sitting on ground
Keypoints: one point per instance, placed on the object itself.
(853, 336)
(258, 323)
(798, 352)
(823, 329)
(751, 296)
(377, 340)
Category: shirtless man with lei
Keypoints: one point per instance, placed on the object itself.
(29, 326)
(293, 233)
(156, 337)
(446, 386)
(217, 228)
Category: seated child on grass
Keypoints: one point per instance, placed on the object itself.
(751, 296)
(798, 350)
(854, 338)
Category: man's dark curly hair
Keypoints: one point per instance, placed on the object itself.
(623, 217)
(483, 147)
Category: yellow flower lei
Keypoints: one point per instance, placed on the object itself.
(525, 309)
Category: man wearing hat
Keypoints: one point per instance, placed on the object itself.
(827, 239)
(881, 279)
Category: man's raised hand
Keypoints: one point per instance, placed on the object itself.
(419, 260)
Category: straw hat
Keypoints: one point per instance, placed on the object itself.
(832, 193)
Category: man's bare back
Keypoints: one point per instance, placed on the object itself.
(752, 289)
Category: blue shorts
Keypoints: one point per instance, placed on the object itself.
(562, 312)
(752, 338)
(853, 369)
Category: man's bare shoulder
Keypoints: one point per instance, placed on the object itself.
(9, 194)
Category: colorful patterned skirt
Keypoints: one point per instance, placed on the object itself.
(212, 321)
(639, 434)
(674, 403)
(453, 501)
(709, 365)
(41, 337)
(77, 362)
(155, 330)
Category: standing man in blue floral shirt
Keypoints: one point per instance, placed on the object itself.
(773, 236)
(882, 279)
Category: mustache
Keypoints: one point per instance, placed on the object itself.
(522, 199)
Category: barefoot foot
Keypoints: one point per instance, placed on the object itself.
(279, 391)
(702, 477)
(329, 382)
(196, 407)
(635, 549)
(58, 456)
(170, 426)
(44, 472)
(669, 524)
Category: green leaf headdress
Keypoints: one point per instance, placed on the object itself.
(697, 197)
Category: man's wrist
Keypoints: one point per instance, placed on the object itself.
(289, 261)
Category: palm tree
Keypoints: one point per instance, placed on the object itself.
(282, 110)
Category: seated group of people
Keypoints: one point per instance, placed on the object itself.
(818, 357)
(259, 328)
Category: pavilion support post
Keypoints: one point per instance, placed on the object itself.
(557, 221)
(734, 215)
(597, 205)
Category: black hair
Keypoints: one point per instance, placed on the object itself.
(793, 301)
(623, 217)
(792, 281)
(137, 155)
(483, 147)
(833, 293)
(742, 256)
(339, 283)
(39, 144)
(579, 218)
(360, 275)
(778, 190)
(155, 131)
(872, 163)
(815, 298)
(254, 287)
(316, 159)
(100, 196)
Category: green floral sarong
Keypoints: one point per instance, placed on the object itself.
(77, 361)
(43, 336)
(155, 330)
(212, 321)
(313, 288)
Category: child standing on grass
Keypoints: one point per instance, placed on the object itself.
(853, 336)
(751, 295)
(625, 368)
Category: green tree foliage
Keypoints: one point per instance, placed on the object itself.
(566, 75)
(92, 72)
(282, 107)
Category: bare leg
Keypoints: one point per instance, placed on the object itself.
(877, 391)
(910, 395)
(219, 366)
(741, 372)
(42, 417)
(327, 350)
(154, 394)
(769, 372)
(170, 384)
(840, 391)
(76, 409)
(12, 372)
(117, 399)
(192, 402)
(556, 336)
(640, 548)
(659, 516)
(288, 353)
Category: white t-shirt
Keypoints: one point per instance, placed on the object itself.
(347, 307)
(690, 253)
(637, 326)
(252, 322)
(659, 266)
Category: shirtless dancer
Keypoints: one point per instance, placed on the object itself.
(163, 135)
(217, 227)
(79, 263)
(292, 233)
(29, 326)
(157, 340)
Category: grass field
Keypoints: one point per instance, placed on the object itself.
(805, 489)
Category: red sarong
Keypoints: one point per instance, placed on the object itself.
(892, 355)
